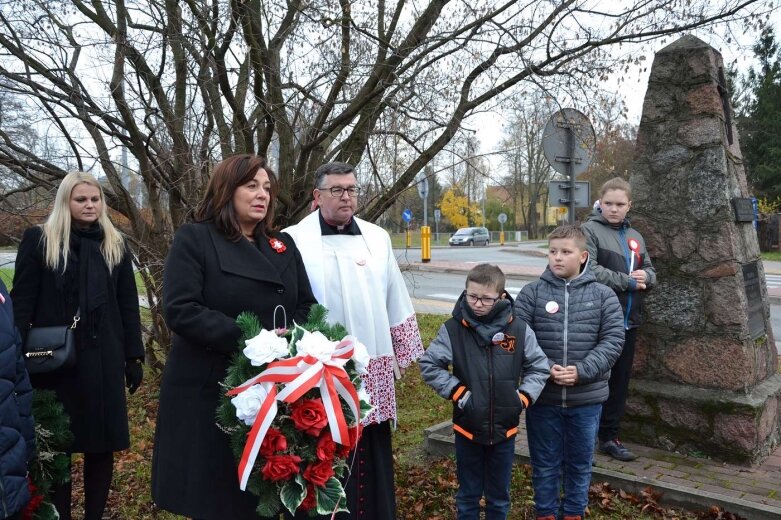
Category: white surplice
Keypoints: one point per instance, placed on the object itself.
(357, 279)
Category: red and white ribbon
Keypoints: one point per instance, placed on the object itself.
(299, 375)
(634, 247)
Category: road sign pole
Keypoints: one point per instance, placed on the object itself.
(571, 171)
(425, 210)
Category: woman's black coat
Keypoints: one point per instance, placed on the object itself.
(93, 392)
(17, 432)
(208, 281)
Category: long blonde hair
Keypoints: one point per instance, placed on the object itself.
(57, 228)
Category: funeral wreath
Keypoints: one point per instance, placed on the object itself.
(293, 405)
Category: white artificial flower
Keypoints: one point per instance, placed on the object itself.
(361, 357)
(316, 345)
(248, 403)
(265, 348)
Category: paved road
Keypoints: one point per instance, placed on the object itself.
(436, 292)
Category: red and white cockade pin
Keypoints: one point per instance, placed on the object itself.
(634, 247)
(277, 245)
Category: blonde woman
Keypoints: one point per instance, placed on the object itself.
(77, 261)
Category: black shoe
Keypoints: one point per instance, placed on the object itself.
(615, 449)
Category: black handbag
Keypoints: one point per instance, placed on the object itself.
(51, 349)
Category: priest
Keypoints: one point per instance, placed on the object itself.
(353, 273)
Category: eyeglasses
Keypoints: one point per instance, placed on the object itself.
(338, 191)
(473, 298)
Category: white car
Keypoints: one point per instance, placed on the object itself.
(470, 236)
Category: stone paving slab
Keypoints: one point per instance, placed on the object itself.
(695, 484)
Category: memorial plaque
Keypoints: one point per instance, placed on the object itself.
(756, 314)
(744, 209)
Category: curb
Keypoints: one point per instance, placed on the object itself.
(672, 495)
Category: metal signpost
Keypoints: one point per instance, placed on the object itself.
(502, 218)
(406, 216)
(422, 184)
(569, 143)
(437, 217)
(425, 231)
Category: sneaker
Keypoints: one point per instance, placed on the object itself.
(615, 449)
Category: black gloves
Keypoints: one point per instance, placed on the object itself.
(134, 373)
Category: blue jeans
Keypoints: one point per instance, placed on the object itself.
(483, 470)
(561, 445)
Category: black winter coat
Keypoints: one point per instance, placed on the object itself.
(576, 322)
(209, 281)
(17, 432)
(92, 392)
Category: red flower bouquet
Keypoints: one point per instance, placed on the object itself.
(293, 407)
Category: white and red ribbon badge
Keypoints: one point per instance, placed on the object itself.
(299, 375)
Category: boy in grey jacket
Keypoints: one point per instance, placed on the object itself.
(498, 371)
(619, 259)
(579, 325)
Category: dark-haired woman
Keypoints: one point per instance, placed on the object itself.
(229, 261)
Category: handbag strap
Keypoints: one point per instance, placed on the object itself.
(76, 318)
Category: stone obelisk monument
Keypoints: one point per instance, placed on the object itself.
(706, 376)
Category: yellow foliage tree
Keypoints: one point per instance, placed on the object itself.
(767, 206)
(454, 208)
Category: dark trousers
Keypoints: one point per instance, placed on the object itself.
(483, 471)
(613, 408)
(98, 470)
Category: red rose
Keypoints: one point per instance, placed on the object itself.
(319, 472)
(310, 502)
(280, 467)
(273, 441)
(326, 447)
(309, 416)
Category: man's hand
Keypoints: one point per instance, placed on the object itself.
(565, 376)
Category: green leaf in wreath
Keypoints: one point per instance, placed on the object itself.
(268, 499)
(331, 497)
(249, 324)
(46, 511)
(293, 493)
(317, 317)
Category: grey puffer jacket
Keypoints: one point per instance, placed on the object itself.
(497, 370)
(577, 322)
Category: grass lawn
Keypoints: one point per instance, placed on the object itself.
(772, 256)
(425, 485)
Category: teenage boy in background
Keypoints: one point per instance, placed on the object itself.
(619, 259)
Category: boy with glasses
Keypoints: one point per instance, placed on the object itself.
(579, 325)
(498, 371)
